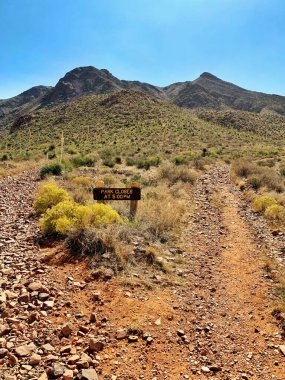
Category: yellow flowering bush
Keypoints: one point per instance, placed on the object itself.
(49, 195)
(59, 218)
(260, 204)
(67, 215)
(275, 212)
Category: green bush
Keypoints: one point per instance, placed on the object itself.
(130, 161)
(48, 196)
(179, 160)
(51, 169)
(79, 160)
(282, 172)
(143, 164)
(109, 161)
(154, 160)
(148, 162)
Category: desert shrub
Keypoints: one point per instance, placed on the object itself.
(130, 161)
(179, 160)
(154, 160)
(174, 174)
(51, 169)
(266, 178)
(159, 213)
(275, 212)
(244, 168)
(260, 204)
(255, 181)
(102, 244)
(269, 163)
(51, 155)
(68, 215)
(90, 242)
(109, 161)
(109, 180)
(59, 219)
(143, 164)
(4, 157)
(83, 181)
(282, 172)
(258, 176)
(49, 195)
(95, 214)
(79, 160)
(148, 162)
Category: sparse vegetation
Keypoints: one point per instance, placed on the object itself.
(175, 174)
(51, 169)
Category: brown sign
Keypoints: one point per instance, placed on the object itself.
(117, 194)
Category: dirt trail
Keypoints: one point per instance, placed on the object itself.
(215, 325)
(236, 331)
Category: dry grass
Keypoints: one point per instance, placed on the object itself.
(160, 213)
(257, 177)
(174, 174)
(104, 245)
(16, 168)
(154, 256)
(217, 200)
(277, 274)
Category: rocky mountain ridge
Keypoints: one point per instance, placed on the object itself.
(207, 91)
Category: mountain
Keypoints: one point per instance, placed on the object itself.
(26, 102)
(207, 91)
(211, 92)
(89, 80)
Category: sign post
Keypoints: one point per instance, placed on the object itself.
(99, 185)
(134, 202)
(132, 194)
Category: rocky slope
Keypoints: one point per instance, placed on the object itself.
(211, 92)
(26, 102)
(206, 91)
(89, 80)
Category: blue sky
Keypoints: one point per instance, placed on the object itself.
(156, 41)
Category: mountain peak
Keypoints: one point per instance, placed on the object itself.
(208, 76)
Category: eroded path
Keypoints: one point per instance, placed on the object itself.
(215, 325)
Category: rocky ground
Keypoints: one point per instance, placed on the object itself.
(211, 319)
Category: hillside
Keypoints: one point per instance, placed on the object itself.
(206, 91)
(269, 125)
(128, 124)
(26, 102)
